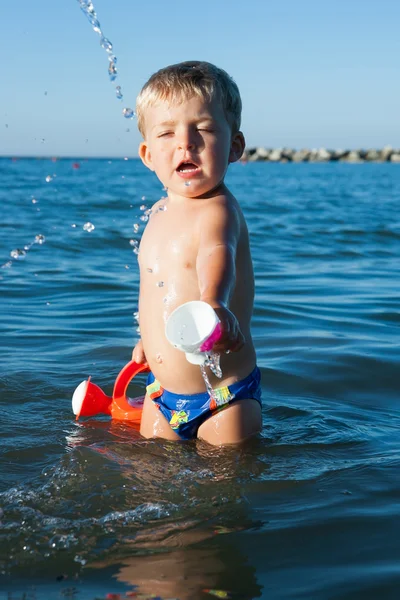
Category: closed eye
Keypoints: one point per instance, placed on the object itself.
(165, 134)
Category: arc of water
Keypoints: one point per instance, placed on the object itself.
(89, 11)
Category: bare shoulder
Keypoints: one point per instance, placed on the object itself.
(158, 205)
(222, 210)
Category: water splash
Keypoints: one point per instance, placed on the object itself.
(209, 388)
(20, 254)
(88, 227)
(213, 363)
(88, 10)
(135, 245)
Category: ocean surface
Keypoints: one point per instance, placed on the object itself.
(310, 509)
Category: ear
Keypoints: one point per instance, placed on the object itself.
(238, 145)
(145, 155)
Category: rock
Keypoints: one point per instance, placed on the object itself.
(372, 155)
(340, 154)
(386, 152)
(320, 155)
(323, 155)
(301, 155)
(352, 157)
(262, 153)
(275, 155)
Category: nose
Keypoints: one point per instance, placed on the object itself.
(186, 140)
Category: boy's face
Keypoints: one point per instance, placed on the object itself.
(190, 142)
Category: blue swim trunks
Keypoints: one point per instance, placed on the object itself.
(186, 414)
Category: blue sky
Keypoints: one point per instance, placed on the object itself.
(311, 73)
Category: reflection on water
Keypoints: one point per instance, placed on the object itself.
(219, 570)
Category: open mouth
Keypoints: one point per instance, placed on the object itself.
(187, 167)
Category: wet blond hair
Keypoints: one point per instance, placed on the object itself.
(184, 80)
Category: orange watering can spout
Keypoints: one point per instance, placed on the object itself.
(89, 399)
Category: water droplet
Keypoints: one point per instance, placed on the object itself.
(187, 183)
(144, 218)
(134, 243)
(160, 284)
(118, 92)
(106, 44)
(34, 201)
(143, 206)
(73, 225)
(136, 316)
(42, 141)
(18, 254)
(126, 158)
(88, 227)
(128, 113)
(127, 130)
(112, 71)
(40, 239)
(49, 178)
(126, 266)
(136, 227)
(149, 270)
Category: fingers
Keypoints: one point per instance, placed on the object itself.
(138, 354)
(232, 339)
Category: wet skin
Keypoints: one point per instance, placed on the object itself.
(196, 249)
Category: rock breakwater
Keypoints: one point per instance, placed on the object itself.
(386, 154)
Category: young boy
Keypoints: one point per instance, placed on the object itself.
(195, 247)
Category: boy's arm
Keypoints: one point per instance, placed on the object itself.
(219, 230)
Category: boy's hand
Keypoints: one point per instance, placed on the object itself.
(232, 339)
(138, 354)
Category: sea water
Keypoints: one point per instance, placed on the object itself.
(309, 509)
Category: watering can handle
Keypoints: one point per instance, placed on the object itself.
(125, 376)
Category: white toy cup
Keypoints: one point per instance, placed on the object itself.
(193, 328)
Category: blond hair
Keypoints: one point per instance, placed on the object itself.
(184, 80)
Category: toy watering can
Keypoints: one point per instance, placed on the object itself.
(89, 399)
(192, 328)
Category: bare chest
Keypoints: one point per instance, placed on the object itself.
(168, 242)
